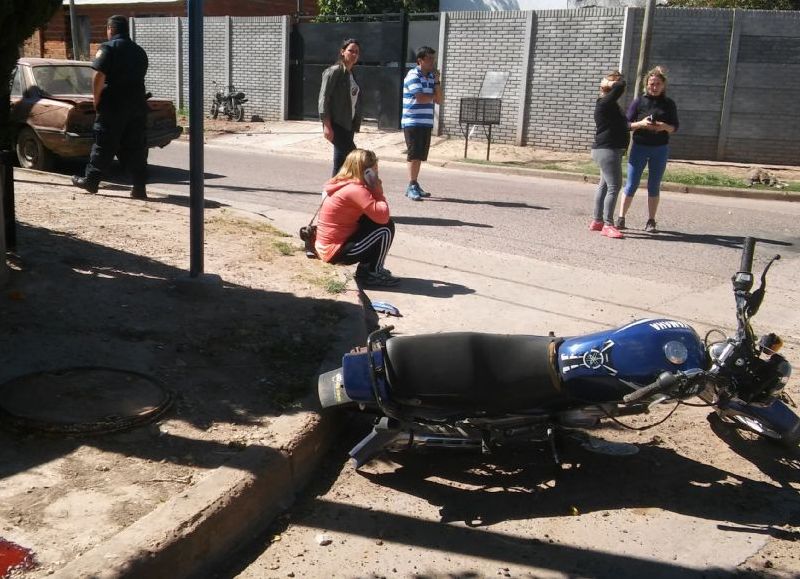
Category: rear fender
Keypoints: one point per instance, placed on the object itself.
(331, 390)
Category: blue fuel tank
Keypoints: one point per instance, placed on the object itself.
(592, 367)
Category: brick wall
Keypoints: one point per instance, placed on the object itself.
(572, 50)
(248, 52)
(477, 42)
(764, 113)
(259, 69)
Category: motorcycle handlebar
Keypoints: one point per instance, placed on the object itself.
(747, 254)
(665, 381)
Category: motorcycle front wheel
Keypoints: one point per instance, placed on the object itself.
(214, 110)
(238, 112)
(775, 422)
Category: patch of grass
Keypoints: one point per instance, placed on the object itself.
(709, 179)
(331, 284)
(285, 248)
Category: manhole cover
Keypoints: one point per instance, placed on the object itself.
(82, 400)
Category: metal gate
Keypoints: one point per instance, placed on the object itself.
(388, 43)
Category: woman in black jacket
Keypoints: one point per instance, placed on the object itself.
(340, 102)
(610, 143)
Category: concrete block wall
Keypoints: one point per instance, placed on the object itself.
(572, 50)
(694, 45)
(259, 56)
(248, 52)
(764, 110)
(478, 42)
(157, 37)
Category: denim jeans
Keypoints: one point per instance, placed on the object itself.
(342, 145)
(653, 157)
(605, 199)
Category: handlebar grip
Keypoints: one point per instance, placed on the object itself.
(748, 247)
(664, 381)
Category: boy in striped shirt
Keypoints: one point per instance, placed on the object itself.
(421, 91)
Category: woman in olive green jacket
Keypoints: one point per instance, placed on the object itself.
(340, 102)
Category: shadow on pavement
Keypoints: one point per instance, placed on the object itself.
(504, 204)
(424, 287)
(238, 358)
(511, 486)
(514, 485)
(438, 222)
(729, 241)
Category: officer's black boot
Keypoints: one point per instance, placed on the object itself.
(139, 192)
(88, 185)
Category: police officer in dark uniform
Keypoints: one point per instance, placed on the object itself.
(120, 103)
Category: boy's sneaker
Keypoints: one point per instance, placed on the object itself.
(595, 225)
(620, 222)
(611, 231)
(413, 193)
(422, 191)
(650, 225)
(379, 279)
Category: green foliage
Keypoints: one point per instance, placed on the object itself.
(18, 20)
(347, 7)
(742, 4)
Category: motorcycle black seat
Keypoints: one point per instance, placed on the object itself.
(473, 371)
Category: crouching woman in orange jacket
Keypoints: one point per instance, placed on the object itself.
(354, 224)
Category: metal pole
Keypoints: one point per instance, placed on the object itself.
(73, 22)
(196, 169)
(644, 45)
(7, 194)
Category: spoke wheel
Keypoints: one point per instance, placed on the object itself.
(238, 112)
(31, 152)
(214, 110)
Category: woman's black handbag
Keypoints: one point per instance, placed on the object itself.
(308, 233)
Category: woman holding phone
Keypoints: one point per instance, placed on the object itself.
(354, 224)
(653, 118)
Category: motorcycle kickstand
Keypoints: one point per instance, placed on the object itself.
(551, 439)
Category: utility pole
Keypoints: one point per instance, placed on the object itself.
(644, 46)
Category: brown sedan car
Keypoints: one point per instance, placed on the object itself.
(52, 112)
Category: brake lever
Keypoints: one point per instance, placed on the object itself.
(755, 299)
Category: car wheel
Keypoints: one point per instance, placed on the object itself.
(31, 152)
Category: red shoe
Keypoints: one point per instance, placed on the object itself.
(595, 225)
(612, 232)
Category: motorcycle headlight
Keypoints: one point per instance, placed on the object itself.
(676, 352)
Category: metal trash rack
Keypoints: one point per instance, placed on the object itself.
(484, 110)
(479, 111)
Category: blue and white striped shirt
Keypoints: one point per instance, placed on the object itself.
(417, 114)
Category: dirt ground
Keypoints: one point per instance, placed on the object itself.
(96, 281)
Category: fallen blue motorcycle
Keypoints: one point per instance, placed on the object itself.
(475, 390)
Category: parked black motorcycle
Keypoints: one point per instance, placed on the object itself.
(228, 102)
(473, 390)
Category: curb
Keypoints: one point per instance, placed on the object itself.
(777, 195)
(198, 529)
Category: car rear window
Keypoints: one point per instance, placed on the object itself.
(56, 79)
